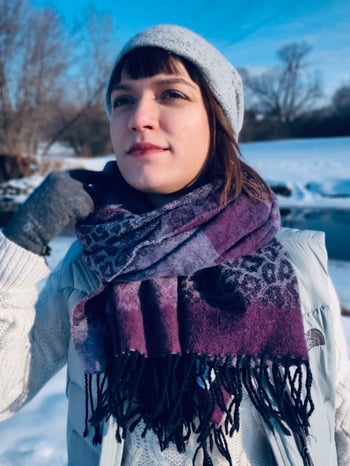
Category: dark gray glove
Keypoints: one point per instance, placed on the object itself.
(58, 201)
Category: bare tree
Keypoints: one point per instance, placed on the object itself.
(85, 132)
(83, 125)
(9, 27)
(32, 63)
(45, 70)
(287, 90)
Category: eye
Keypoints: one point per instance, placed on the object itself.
(121, 101)
(173, 94)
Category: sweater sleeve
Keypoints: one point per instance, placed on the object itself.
(33, 331)
(342, 416)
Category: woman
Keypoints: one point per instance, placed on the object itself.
(196, 330)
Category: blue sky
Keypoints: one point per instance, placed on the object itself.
(248, 32)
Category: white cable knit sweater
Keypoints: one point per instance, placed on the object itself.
(35, 343)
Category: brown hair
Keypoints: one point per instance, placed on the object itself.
(224, 158)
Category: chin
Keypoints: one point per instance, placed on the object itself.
(156, 191)
(152, 188)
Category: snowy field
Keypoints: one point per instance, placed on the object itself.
(317, 174)
(316, 171)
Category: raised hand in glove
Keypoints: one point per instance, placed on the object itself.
(62, 198)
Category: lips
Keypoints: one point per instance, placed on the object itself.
(144, 148)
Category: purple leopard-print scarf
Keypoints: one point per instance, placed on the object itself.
(192, 308)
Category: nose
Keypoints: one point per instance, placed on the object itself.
(144, 115)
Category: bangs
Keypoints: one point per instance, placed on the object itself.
(144, 62)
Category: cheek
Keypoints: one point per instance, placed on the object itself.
(199, 133)
(194, 127)
(206, 132)
(116, 134)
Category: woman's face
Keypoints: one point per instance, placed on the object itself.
(160, 131)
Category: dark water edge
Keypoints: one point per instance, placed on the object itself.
(334, 222)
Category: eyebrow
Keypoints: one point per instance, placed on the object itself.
(158, 81)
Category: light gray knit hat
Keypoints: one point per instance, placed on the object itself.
(222, 78)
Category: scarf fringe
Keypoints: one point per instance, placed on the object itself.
(176, 396)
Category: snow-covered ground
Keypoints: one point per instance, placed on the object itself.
(317, 173)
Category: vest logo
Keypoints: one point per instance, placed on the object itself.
(314, 337)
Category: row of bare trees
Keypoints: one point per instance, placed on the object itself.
(52, 80)
(285, 101)
(31, 57)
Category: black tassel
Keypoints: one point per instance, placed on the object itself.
(86, 429)
(177, 396)
(221, 443)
